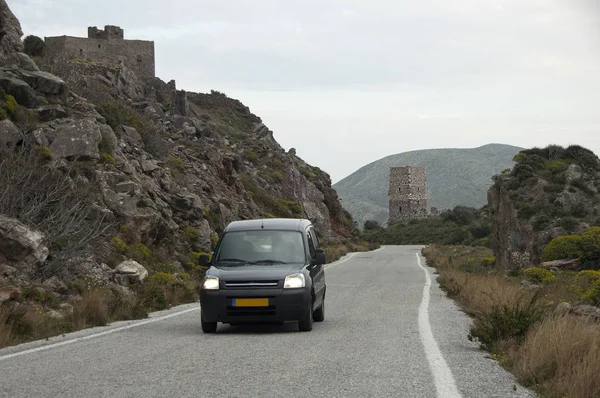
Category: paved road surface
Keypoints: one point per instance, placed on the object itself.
(385, 335)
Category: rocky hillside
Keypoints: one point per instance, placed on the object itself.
(455, 177)
(550, 192)
(98, 167)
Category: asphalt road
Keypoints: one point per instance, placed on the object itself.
(385, 335)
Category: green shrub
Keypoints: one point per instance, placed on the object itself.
(371, 225)
(195, 257)
(118, 244)
(184, 276)
(590, 245)
(162, 278)
(108, 158)
(288, 208)
(557, 164)
(539, 275)
(592, 296)
(117, 114)
(249, 155)
(214, 239)
(10, 105)
(139, 252)
(277, 176)
(562, 247)
(504, 323)
(191, 234)
(488, 261)
(34, 46)
(175, 163)
(44, 151)
(589, 276)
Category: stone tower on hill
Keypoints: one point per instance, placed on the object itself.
(407, 194)
(107, 46)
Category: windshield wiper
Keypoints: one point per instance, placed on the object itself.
(235, 260)
(269, 261)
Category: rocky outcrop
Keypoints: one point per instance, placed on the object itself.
(9, 133)
(21, 247)
(164, 169)
(130, 272)
(568, 264)
(550, 192)
(73, 139)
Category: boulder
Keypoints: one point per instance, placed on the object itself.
(119, 290)
(589, 311)
(562, 308)
(566, 264)
(44, 83)
(130, 135)
(130, 272)
(23, 93)
(48, 113)
(55, 284)
(9, 133)
(25, 62)
(75, 139)
(21, 246)
(87, 268)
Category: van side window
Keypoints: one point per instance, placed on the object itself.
(315, 238)
(311, 245)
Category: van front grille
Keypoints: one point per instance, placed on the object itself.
(251, 284)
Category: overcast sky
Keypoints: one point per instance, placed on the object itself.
(347, 82)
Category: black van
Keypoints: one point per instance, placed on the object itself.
(264, 271)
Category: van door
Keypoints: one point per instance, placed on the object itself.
(317, 273)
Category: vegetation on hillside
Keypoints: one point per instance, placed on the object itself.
(34, 46)
(569, 179)
(459, 226)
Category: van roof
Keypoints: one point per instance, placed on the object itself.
(284, 224)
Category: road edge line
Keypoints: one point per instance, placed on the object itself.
(350, 258)
(442, 375)
(91, 336)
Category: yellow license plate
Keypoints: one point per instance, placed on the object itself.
(251, 302)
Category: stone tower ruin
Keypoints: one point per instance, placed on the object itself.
(107, 46)
(407, 194)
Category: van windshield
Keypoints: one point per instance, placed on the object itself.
(261, 247)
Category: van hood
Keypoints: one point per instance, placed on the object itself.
(254, 271)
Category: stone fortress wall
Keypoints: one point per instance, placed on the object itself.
(407, 194)
(108, 46)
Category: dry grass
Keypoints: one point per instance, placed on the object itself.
(6, 336)
(22, 320)
(561, 357)
(92, 309)
(557, 356)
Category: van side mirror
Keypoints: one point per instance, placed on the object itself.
(204, 260)
(319, 257)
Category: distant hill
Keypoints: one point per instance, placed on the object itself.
(454, 177)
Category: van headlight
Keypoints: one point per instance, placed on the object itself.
(211, 283)
(294, 281)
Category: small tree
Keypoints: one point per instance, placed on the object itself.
(34, 46)
(371, 224)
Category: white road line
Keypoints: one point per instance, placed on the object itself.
(91, 336)
(340, 262)
(351, 257)
(442, 375)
